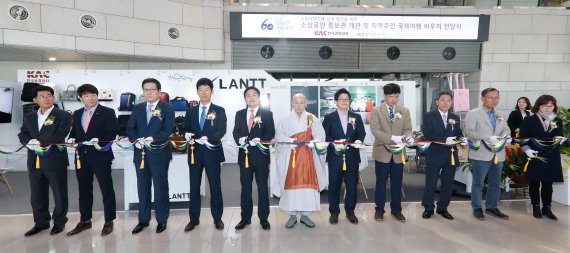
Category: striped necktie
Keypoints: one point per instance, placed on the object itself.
(391, 115)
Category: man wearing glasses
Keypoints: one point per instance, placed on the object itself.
(44, 128)
(151, 124)
(489, 126)
(343, 160)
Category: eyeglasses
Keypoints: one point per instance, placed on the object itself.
(343, 100)
(44, 97)
(547, 106)
(149, 90)
(492, 98)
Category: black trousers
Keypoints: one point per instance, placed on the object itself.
(85, 181)
(40, 182)
(336, 176)
(261, 173)
(446, 172)
(536, 192)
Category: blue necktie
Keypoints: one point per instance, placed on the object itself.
(148, 113)
(391, 115)
(202, 117)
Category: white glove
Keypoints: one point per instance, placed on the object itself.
(188, 136)
(339, 146)
(450, 140)
(531, 153)
(464, 141)
(292, 145)
(254, 141)
(91, 142)
(204, 138)
(508, 139)
(357, 144)
(139, 143)
(397, 138)
(311, 144)
(242, 140)
(33, 144)
(562, 139)
(493, 140)
(148, 140)
(71, 140)
(409, 141)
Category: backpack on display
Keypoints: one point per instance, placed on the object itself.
(179, 103)
(27, 95)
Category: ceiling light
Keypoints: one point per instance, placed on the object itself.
(52, 59)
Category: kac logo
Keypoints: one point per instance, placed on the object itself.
(37, 74)
(265, 25)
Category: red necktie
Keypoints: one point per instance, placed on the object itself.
(250, 121)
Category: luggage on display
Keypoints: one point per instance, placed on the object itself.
(127, 101)
(122, 121)
(105, 95)
(179, 103)
(141, 99)
(179, 124)
(69, 94)
(164, 97)
(27, 95)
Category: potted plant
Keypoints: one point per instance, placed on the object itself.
(514, 164)
(561, 191)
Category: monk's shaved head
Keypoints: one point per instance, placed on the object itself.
(299, 103)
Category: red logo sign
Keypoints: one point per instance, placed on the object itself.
(32, 74)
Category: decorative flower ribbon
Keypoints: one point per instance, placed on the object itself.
(9, 152)
(46, 151)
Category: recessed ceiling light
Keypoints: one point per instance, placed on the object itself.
(52, 59)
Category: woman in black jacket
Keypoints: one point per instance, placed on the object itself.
(545, 128)
(516, 117)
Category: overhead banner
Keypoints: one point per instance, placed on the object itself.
(358, 27)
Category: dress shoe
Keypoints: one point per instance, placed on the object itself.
(536, 212)
(546, 211)
(399, 216)
(56, 229)
(478, 213)
(107, 228)
(379, 215)
(242, 224)
(291, 222)
(352, 218)
(265, 225)
(160, 227)
(219, 224)
(445, 214)
(497, 213)
(36, 229)
(79, 228)
(139, 227)
(307, 221)
(333, 219)
(190, 226)
(427, 214)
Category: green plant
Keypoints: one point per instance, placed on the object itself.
(564, 115)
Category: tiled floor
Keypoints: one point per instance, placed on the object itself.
(521, 233)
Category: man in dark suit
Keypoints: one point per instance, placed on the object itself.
(44, 128)
(343, 126)
(252, 125)
(204, 128)
(94, 124)
(152, 123)
(439, 125)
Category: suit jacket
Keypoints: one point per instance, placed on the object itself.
(103, 125)
(434, 130)
(264, 131)
(159, 128)
(551, 170)
(333, 131)
(48, 135)
(515, 120)
(478, 127)
(213, 129)
(383, 131)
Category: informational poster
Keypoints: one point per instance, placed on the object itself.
(327, 103)
(6, 97)
(363, 100)
(312, 95)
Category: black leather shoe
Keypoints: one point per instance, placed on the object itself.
(399, 216)
(219, 224)
(379, 215)
(536, 212)
(107, 228)
(56, 229)
(36, 229)
(79, 228)
(478, 213)
(333, 219)
(546, 211)
(265, 225)
(352, 218)
(445, 214)
(191, 225)
(497, 213)
(427, 214)
(160, 227)
(139, 227)
(242, 224)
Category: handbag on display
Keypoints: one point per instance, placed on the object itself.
(127, 102)
(460, 96)
(179, 103)
(69, 94)
(27, 95)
